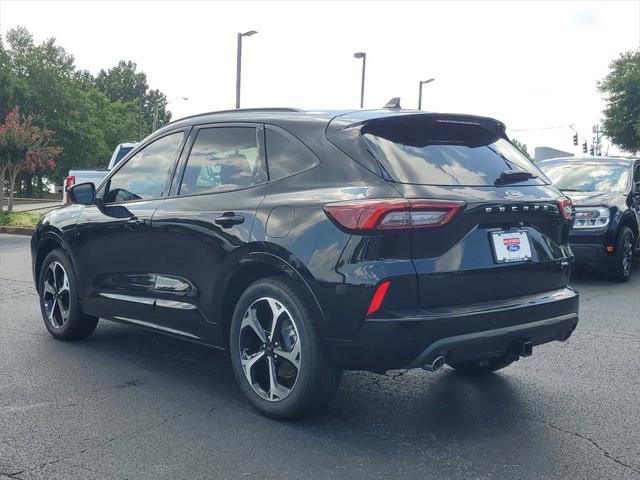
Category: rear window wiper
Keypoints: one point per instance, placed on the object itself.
(511, 176)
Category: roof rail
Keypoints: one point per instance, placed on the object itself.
(238, 110)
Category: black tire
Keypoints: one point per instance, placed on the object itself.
(622, 262)
(74, 324)
(481, 367)
(316, 379)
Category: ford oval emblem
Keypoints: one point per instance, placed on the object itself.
(514, 194)
(513, 247)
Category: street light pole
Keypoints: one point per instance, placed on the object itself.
(239, 63)
(422, 82)
(363, 56)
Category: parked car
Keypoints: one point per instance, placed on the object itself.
(95, 176)
(606, 195)
(308, 242)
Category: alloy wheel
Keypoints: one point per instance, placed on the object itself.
(56, 295)
(270, 350)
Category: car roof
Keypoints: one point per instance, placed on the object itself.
(257, 114)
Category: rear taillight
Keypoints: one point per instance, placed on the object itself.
(391, 214)
(565, 206)
(68, 183)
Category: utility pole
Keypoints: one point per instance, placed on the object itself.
(597, 140)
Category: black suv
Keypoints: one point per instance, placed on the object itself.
(606, 195)
(307, 242)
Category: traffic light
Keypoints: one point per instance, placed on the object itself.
(591, 151)
(584, 147)
(575, 139)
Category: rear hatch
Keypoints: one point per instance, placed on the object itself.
(508, 238)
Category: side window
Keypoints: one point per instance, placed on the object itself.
(145, 174)
(286, 155)
(636, 175)
(222, 158)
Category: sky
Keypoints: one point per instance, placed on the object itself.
(533, 65)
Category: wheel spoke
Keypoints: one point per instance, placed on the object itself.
(276, 390)
(249, 362)
(48, 288)
(292, 356)
(51, 313)
(65, 283)
(276, 310)
(250, 320)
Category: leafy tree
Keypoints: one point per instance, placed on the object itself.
(622, 89)
(24, 147)
(89, 115)
(125, 84)
(522, 147)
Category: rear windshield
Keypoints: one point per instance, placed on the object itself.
(433, 151)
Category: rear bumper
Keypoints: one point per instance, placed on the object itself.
(459, 334)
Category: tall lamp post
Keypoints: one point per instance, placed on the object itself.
(363, 56)
(239, 63)
(422, 82)
(157, 110)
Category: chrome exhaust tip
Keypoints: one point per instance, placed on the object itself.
(434, 366)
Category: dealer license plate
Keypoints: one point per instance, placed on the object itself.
(511, 246)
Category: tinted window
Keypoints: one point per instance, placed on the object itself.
(146, 173)
(121, 154)
(286, 155)
(222, 158)
(636, 177)
(585, 176)
(437, 152)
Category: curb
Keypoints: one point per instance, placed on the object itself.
(17, 230)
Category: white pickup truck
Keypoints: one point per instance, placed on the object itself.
(95, 176)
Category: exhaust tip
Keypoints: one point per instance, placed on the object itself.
(436, 365)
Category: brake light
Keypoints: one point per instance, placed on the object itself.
(565, 206)
(378, 297)
(391, 214)
(68, 183)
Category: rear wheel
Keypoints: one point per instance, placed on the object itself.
(623, 260)
(276, 353)
(480, 367)
(59, 300)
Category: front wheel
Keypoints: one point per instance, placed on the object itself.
(623, 260)
(59, 304)
(276, 352)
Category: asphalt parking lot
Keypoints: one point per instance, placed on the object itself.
(128, 404)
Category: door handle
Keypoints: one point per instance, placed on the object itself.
(134, 222)
(229, 219)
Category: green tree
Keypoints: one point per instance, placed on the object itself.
(522, 147)
(89, 115)
(125, 84)
(24, 147)
(622, 113)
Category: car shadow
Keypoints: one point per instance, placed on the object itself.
(414, 408)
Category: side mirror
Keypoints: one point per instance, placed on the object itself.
(636, 189)
(83, 193)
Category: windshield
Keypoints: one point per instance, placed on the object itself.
(587, 177)
(434, 152)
